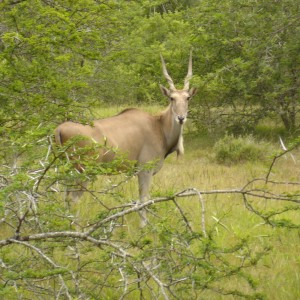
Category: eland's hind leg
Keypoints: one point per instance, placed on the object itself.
(74, 194)
(77, 194)
(71, 198)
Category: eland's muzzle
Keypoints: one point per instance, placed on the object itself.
(181, 119)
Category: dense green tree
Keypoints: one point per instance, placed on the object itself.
(249, 53)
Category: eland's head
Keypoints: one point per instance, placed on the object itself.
(179, 98)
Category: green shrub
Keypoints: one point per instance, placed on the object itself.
(231, 149)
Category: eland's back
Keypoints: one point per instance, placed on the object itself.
(134, 133)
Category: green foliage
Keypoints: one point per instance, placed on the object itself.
(246, 49)
(231, 150)
(61, 59)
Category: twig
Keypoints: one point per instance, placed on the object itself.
(155, 278)
(125, 283)
(183, 216)
(202, 211)
(275, 158)
(45, 257)
(286, 149)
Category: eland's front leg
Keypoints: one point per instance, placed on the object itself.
(144, 186)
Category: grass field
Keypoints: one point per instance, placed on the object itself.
(225, 217)
(278, 273)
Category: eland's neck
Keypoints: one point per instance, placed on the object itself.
(172, 131)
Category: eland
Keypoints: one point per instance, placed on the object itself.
(140, 136)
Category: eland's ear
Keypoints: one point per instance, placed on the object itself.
(165, 91)
(193, 92)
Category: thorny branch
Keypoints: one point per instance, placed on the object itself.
(136, 206)
(49, 260)
(95, 234)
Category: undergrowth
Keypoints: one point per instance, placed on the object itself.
(230, 149)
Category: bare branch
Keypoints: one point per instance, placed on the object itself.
(284, 148)
(183, 216)
(202, 212)
(156, 279)
(276, 157)
(45, 257)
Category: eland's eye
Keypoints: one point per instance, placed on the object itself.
(172, 99)
(188, 98)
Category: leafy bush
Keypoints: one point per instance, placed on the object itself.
(231, 149)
